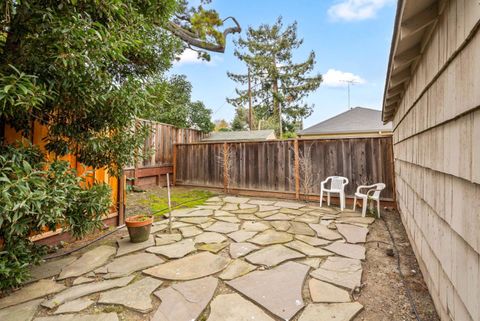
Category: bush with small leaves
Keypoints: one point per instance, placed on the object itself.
(36, 195)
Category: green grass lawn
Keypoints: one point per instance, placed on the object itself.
(158, 203)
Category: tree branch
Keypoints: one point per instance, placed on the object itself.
(188, 37)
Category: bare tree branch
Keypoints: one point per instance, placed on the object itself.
(192, 40)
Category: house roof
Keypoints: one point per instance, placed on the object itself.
(414, 24)
(355, 120)
(241, 135)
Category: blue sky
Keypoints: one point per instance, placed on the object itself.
(351, 39)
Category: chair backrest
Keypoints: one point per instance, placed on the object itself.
(337, 182)
(378, 190)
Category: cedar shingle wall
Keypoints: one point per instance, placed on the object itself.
(437, 162)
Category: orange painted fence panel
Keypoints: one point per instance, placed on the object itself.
(37, 137)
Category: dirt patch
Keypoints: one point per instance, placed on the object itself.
(384, 295)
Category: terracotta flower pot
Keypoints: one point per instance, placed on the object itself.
(139, 227)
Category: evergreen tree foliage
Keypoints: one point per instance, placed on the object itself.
(279, 85)
(240, 121)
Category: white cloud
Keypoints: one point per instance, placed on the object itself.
(337, 78)
(352, 10)
(190, 56)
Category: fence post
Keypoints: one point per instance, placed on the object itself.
(174, 164)
(297, 169)
(225, 167)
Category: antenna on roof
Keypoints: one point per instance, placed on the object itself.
(349, 82)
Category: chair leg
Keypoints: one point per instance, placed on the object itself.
(378, 208)
(354, 202)
(321, 197)
(364, 207)
(342, 201)
(328, 198)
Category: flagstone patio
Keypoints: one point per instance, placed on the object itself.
(231, 259)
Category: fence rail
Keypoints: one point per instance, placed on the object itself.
(286, 166)
(159, 147)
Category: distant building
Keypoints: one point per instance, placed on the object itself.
(258, 135)
(356, 122)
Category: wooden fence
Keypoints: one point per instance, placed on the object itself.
(159, 151)
(282, 167)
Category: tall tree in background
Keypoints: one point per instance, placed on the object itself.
(280, 85)
(172, 104)
(240, 120)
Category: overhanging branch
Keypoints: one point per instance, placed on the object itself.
(191, 40)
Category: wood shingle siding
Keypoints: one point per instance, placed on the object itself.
(436, 144)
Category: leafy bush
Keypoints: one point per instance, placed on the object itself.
(36, 195)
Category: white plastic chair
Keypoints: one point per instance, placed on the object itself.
(337, 186)
(373, 193)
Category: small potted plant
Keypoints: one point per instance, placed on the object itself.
(139, 227)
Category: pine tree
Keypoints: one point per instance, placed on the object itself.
(279, 85)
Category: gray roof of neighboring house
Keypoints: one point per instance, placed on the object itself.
(355, 120)
(240, 135)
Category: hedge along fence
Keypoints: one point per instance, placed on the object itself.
(37, 135)
(290, 167)
(159, 151)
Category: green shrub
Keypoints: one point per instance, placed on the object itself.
(35, 195)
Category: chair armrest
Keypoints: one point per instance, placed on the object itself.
(322, 183)
(365, 186)
(346, 182)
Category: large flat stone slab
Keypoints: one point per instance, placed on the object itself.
(323, 292)
(307, 249)
(240, 249)
(252, 226)
(266, 214)
(190, 267)
(212, 247)
(353, 234)
(236, 200)
(313, 262)
(267, 208)
(192, 212)
(135, 296)
(232, 307)
(32, 291)
(230, 207)
(195, 220)
(325, 233)
(229, 219)
(249, 210)
(236, 269)
(269, 237)
(314, 241)
(300, 228)
(164, 239)
(306, 218)
(353, 251)
(79, 291)
(281, 226)
(291, 205)
(126, 247)
(332, 311)
(222, 213)
(223, 227)
(242, 235)
(77, 317)
(20, 312)
(273, 255)
(128, 264)
(357, 220)
(210, 237)
(279, 290)
(278, 217)
(174, 250)
(89, 261)
(261, 202)
(291, 211)
(185, 301)
(189, 231)
(340, 271)
(74, 306)
(50, 268)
